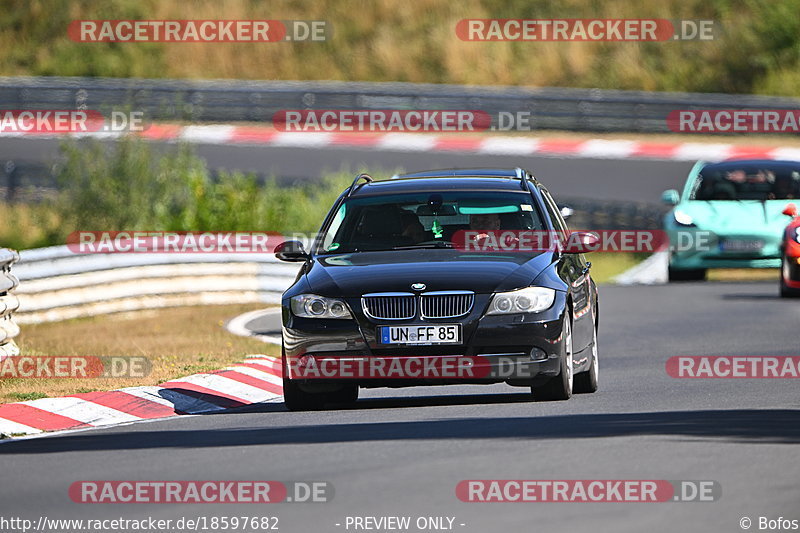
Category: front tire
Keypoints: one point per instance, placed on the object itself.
(346, 395)
(586, 382)
(559, 387)
(296, 399)
(786, 291)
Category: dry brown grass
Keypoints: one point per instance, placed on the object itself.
(416, 42)
(178, 342)
(745, 274)
(401, 40)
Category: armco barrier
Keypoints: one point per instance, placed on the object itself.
(257, 101)
(58, 284)
(8, 304)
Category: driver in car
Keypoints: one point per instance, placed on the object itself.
(484, 223)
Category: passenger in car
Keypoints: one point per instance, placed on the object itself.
(412, 227)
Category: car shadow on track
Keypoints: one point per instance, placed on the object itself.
(755, 426)
(395, 403)
(753, 296)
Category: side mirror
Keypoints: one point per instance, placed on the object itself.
(291, 251)
(670, 197)
(581, 242)
(566, 211)
(790, 210)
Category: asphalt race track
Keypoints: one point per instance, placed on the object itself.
(402, 452)
(605, 179)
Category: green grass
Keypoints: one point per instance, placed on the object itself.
(26, 396)
(130, 186)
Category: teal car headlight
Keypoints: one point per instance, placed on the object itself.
(682, 218)
(527, 300)
(313, 306)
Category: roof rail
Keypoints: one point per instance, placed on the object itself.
(367, 179)
(523, 179)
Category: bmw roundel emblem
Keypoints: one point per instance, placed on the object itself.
(418, 286)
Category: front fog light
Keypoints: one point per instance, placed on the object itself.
(537, 354)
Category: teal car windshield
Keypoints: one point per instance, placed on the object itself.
(424, 219)
(732, 181)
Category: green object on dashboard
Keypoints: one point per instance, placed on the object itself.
(436, 228)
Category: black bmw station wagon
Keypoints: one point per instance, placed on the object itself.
(406, 285)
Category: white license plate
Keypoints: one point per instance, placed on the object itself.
(741, 245)
(436, 334)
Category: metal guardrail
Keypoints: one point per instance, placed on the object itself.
(257, 101)
(8, 304)
(60, 284)
(591, 214)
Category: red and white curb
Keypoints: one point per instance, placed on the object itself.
(255, 380)
(453, 143)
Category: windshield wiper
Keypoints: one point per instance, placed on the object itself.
(432, 245)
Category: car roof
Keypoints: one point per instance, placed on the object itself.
(761, 163)
(480, 179)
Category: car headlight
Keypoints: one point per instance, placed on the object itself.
(527, 300)
(313, 306)
(682, 218)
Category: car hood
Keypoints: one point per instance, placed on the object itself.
(737, 216)
(351, 275)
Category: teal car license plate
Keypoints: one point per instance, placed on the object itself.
(741, 245)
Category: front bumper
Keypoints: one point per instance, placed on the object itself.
(692, 248)
(519, 349)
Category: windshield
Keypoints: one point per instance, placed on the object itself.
(424, 220)
(747, 182)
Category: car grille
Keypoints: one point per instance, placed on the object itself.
(447, 304)
(390, 305)
(403, 306)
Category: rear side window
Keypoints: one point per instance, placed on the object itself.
(554, 212)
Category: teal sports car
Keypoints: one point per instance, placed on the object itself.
(729, 215)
